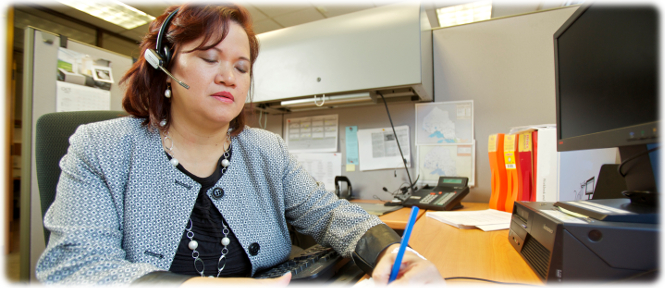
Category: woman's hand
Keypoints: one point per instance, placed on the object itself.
(272, 282)
(414, 270)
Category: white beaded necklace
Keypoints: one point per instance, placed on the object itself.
(193, 244)
(169, 148)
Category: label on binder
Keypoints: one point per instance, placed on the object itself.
(492, 143)
(509, 151)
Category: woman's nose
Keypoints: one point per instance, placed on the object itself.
(225, 75)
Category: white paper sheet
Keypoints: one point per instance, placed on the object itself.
(378, 148)
(73, 97)
(322, 166)
(312, 134)
(489, 219)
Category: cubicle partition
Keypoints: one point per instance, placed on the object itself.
(505, 65)
(39, 98)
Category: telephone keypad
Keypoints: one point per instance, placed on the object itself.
(428, 198)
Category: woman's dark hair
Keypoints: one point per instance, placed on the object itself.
(144, 97)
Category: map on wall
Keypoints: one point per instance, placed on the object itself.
(435, 161)
(444, 123)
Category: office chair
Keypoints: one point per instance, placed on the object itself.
(51, 142)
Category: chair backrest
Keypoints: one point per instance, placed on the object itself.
(51, 142)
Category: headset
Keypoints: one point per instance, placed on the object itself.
(161, 55)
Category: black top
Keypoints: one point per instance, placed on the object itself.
(207, 230)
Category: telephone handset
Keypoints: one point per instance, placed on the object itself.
(447, 195)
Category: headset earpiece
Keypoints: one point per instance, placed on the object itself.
(167, 57)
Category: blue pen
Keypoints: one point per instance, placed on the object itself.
(404, 243)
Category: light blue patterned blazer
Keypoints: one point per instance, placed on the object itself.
(121, 207)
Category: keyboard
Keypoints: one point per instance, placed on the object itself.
(316, 263)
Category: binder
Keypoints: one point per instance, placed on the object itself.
(535, 165)
(512, 185)
(498, 169)
(525, 165)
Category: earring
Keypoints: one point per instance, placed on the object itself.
(167, 93)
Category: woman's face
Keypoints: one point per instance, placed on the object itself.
(218, 80)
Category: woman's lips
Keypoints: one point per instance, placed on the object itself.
(224, 97)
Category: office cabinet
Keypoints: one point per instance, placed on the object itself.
(379, 49)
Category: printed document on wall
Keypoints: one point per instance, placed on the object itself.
(379, 150)
(312, 134)
(74, 97)
(322, 166)
(444, 122)
(446, 160)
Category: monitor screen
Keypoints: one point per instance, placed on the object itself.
(606, 60)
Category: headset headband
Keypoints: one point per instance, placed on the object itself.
(162, 30)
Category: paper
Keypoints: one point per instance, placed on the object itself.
(489, 219)
(350, 167)
(563, 217)
(378, 148)
(73, 97)
(435, 161)
(312, 134)
(322, 166)
(351, 146)
(365, 283)
(444, 122)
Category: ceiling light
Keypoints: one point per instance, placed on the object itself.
(112, 11)
(465, 13)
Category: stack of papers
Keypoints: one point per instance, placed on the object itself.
(486, 220)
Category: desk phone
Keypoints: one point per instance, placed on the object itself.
(447, 195)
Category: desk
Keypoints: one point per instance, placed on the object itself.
(396, 219)
(470, 252)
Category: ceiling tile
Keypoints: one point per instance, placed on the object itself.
(332, 10)
(256, 14)
(273, 10)
(299, 17)
(265, 26)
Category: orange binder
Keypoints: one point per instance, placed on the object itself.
(535, 165)
(498, 168)
(512, 185)
(525, 165)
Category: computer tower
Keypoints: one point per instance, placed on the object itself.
(562, 248)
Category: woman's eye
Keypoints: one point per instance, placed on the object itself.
(242, 69)
(209, 60)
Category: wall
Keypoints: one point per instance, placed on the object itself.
(367, 184)
(507, 67)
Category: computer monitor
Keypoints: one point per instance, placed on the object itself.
(607, 94)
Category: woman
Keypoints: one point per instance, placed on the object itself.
(183, 189)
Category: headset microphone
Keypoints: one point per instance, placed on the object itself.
(155, 61)
(161, 56)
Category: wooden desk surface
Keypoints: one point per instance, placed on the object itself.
(470, 252)
(396, 219)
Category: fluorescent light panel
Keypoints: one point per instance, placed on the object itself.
(464, 13)
(112, 11)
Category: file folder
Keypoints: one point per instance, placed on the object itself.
(498, 169)
(525, 165)
(510, 157)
